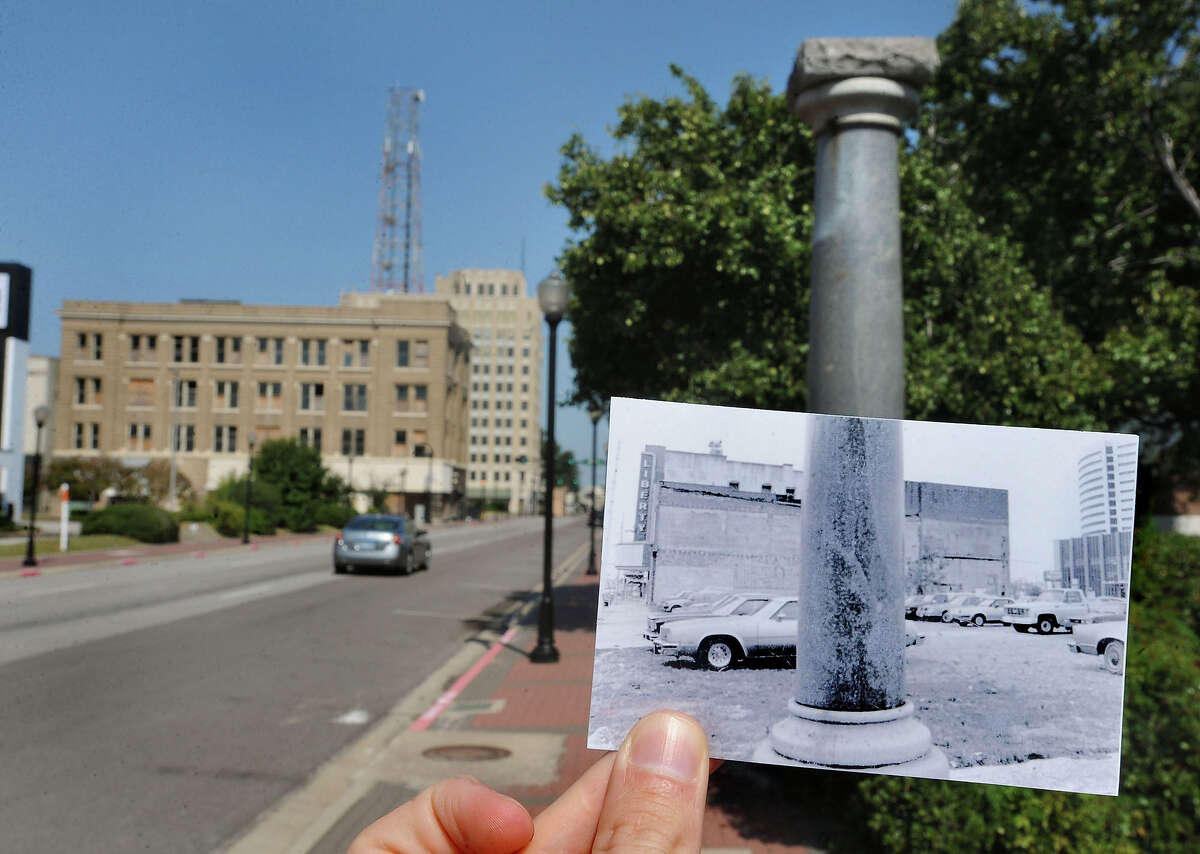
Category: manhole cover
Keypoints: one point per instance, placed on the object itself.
(466, 752)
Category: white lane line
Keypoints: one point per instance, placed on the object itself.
(249, 590)
(50, 591)
(354, 717)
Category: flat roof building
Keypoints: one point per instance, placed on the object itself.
(377, 383)
(504, 456)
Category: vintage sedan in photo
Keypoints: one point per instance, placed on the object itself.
(941, 606)
(759, 627)
(725, 605)
(980, 610)
(377, 541)
(1103, 635)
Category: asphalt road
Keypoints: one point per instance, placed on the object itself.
(163, 706)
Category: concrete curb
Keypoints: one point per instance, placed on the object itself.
(299, 821)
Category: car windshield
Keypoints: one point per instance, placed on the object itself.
(750, 606)
(998, 602)
(372, 523)
(726, 604)
(790, 611)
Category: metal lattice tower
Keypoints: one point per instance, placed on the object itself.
(398, 230)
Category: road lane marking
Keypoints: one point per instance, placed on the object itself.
(249, 590)
(354, 717)
(404, 612)
(451, 693)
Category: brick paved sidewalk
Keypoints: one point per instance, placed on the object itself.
(516, 696)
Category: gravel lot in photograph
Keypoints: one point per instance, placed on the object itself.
(990, 696)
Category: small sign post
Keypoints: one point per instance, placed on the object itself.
(64, 515)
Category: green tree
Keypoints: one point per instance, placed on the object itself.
(566, 469)
(690, 274)
(88, 477)
(1076, 128)
(296, 471)
(154, 481)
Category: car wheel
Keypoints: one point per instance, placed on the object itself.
(946, 617)
(1114, 656)
(717, 654)
(1045, 626)
(425, 559)
(978, 620)
(409, 563)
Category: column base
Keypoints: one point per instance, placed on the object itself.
(890, 741)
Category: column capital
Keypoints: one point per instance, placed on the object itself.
(861, 82)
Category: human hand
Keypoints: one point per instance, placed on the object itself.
(647, 797)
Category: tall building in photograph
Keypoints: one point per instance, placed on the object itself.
(1098, 561)
(505, 324)
(377, 383)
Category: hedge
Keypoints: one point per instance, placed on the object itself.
(143, 522)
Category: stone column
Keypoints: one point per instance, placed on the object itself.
(849, 708)
(856, 93)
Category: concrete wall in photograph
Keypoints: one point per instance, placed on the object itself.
(711, 536)
(957, 537)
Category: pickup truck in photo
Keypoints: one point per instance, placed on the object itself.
(1052, 609)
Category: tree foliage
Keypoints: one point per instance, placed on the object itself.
(296, 473)
(88, 477)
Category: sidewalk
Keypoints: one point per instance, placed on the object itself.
(522, 728)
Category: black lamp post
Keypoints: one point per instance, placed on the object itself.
(594, 413)
(40, 414)
(553, 293)
(249, 480)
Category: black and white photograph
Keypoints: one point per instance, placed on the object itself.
(897, 597)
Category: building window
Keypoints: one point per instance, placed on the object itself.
(354, 397)
(226, 395)
(312, 397)
(401, 354)
(139, 437)
(229, 350)
(400, 443)
(269, 395)
(312, 351)
(185, 394)
(225, 439)
(525, 369)
(420, 354)
(270, 351)
(420, 398)
(353, 442)
(356, 353)
(141, 392)
(97, 354)
(142, 347)
(183, 437)
(310, 437)
(187, 348)
(401, 397)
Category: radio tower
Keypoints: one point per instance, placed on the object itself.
(399, 225)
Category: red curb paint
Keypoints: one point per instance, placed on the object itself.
(198, 554)
(254, 547)
(451, 693)
(128, 561)
(30, 573)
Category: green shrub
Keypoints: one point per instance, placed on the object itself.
(143, 522)
(264, 497)
(230, 519)
(334, 515)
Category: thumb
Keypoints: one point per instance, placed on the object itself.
(455, 815)
(656, 793)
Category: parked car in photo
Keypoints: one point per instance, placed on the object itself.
(940, 606)
(1103, 635)
(758, 627)
(912, 603)
(381, 542)
(688, 598)
(1055, 608)
(725, 605)
(981, 610)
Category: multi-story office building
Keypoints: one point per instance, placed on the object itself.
(503, 465)
(377, 383)
(1099, 560)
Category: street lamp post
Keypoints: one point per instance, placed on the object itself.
(249, 481)
(553, 293)
(594, 413)
(40, 414)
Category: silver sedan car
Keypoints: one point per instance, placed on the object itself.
(383, 542)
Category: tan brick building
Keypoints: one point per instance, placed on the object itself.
(378, 383)
(504, 445)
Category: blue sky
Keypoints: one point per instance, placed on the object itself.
(158, 150)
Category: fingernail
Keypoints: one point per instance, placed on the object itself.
(668, 745)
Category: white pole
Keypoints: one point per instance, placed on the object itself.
(64, 515)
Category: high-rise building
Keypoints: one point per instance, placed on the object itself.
(504, 455)
(1098, 561)
(377, 383)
